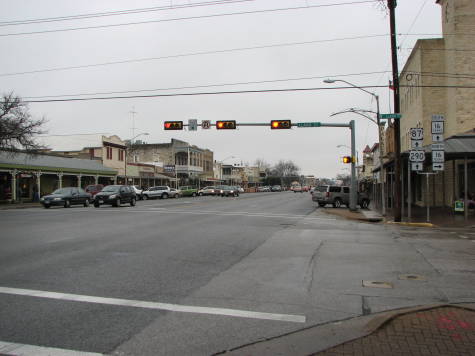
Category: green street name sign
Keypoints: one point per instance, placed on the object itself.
(309, 124)
(390, 116)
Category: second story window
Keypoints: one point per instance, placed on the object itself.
(109, 152)
(121, 155)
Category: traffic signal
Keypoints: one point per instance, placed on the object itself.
(280, 124)
(173, 125)
(347, 159)
(226, 125)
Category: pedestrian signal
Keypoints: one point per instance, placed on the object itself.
(173, 125)
(280, 124)
(226, 125)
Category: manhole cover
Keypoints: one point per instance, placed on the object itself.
(377, 284)
(412, 277)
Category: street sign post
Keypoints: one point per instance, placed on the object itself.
(390, 116)
(417, 166)
(437, 127)
(417, 156)
(192, 125)
(309, 124)
(206, 124)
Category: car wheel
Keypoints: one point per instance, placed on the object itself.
(201, 194)
(132, 202)
(117, 203)
(337, 203)
(164, 196)
(321, 205)
(86, 203)
(47, 206)
(96, 205)
(67, 204)
(194, 194)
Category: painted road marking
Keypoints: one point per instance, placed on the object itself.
(224, 213)
(11, 348)
(154, 305)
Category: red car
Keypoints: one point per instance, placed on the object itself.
(93, 189)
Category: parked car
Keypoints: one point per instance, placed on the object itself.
(208, 191)
(162, 192)
(115, 195)
(138, 191)
(66, 197)
(189, 191)
(296, 188)
(93, 189)
(337, 196)
(228, 191)
(175, 193)
(261, 189)
(276, 188)
(267, 188)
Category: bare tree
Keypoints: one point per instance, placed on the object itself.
(17, 128)
(285, 169)
(262, 164)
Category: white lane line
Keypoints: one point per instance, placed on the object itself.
(11, 348)
(223, 213)
(153, 305)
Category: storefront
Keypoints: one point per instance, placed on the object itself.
(26, 177)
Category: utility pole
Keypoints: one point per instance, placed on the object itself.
(397, 128)
(133, 112)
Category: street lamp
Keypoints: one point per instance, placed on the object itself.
(377, 122)
(131, 144)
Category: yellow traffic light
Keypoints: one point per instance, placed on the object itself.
(347, 159)
(173, 125)
(280, 124)
(226, 125)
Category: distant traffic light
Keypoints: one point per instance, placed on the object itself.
(280, 124)
(226, 125)
(173, 125)
(347, 159)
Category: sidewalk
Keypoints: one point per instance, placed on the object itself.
(436, 330)
(8, 206)
(359, 215)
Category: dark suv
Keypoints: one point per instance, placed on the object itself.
(337, 196)
(115, 195)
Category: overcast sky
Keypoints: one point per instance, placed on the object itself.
(313, 149)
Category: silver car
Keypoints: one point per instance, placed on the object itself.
(162, 192)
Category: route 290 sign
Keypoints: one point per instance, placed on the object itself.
(417, 156)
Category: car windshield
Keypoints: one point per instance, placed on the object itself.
(322, 188)
(111, 188)
(62, 191)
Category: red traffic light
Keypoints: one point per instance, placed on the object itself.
(280, 124)
(226, 125)
(173, 125)
(347, 159)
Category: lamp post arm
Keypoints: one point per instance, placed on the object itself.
(357, 87)
(355, 112)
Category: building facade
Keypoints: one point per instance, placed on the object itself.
(435, 81)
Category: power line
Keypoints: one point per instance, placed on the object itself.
(242, 92)
(118, 12)
(206, 86)
(187, 18)
(434, 74)
(192, 54)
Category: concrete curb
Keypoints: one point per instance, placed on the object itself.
(318, 338)
(411, 224)
(19, 206)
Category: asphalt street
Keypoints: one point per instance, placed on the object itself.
(208, 274)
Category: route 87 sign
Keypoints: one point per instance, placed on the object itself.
(417, 133)
(417, 156)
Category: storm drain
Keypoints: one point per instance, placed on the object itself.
(377, 284)
(411, 277)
